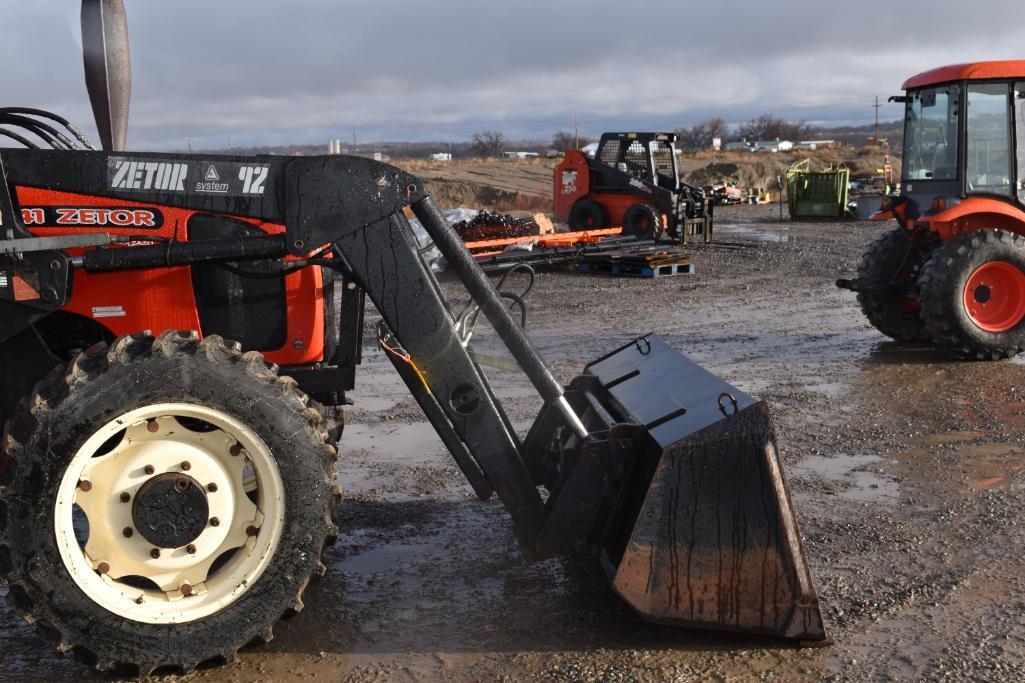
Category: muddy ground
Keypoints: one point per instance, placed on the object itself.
(905, 466)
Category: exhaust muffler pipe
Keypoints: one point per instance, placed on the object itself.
(108, 69)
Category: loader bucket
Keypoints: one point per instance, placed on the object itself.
(701, 531)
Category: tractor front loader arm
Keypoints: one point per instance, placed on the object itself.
(663, 471)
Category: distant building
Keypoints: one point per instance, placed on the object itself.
(772, 146)
(737, 146)
(590, 150)
(520, 155)
(441, 156)
(816, 144)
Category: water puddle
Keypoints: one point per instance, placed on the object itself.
(860, 483)
(986, 465)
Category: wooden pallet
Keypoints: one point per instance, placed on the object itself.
(650, 262)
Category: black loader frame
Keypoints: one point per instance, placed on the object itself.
(597, 447)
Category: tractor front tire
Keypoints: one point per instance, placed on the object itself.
(169, 501)
(644, 222)
(973, 295)
(887, 261)
(588, 214)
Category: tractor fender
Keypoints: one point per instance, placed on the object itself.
(975, 213)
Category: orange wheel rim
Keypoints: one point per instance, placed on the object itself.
(994, 296)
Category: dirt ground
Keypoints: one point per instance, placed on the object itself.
(905, 466)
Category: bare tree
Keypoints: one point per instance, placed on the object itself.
(700, 135)
(564, 141)
(488, 143)
(768, 127)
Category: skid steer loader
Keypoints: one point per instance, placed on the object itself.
(167, 493)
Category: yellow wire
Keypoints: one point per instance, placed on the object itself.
(398, 353)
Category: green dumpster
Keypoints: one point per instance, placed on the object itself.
(817, 194)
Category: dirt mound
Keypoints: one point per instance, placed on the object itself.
(496, 184)
(762, 170)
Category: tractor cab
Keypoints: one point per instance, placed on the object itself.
(952, 273)
(961, 124)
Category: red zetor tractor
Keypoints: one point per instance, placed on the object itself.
(633, 181)
(177, 336)
(952, 273)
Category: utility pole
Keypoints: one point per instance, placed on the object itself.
(188, 143)
(354, 139)
(576, 131)
(877, 105)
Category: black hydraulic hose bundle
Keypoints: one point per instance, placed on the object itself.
(27, 120)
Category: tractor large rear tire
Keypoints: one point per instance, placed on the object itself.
(973, 295)
(103, 450)
(889, 260)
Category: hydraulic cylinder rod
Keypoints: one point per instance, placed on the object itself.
(494, 308)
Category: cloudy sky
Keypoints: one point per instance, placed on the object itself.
(301, 71)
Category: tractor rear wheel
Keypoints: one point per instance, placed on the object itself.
(889, 263)
(644, 222)
(588, 214)
(169, 501)
(973, 295)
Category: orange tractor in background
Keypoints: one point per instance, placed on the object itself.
(633, 181)
(952, 273)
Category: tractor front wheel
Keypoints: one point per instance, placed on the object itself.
(973, 295)
(169, 500)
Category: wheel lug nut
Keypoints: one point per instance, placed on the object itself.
(186, 589)
(235, 450)
(153, 426)
(191, 548)
(155, 553)
(148, 469)
(125, 496)
(103, 568)
(186, 465)
(85, 485)
(127, 531)
(211, 487)
(251, 530)
(214, 521)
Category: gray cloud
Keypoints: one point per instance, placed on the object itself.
(304, 70)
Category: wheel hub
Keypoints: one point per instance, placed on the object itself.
(170, 510)
(994, 296)
(188, 500)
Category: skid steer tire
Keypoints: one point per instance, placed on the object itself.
(973, 295)
(891, 258)
(588, 214)
(644, 222)
(176, 377)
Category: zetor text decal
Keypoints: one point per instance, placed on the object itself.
(199, 177)
(92, 217)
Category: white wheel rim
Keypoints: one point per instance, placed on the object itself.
(231, 456)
